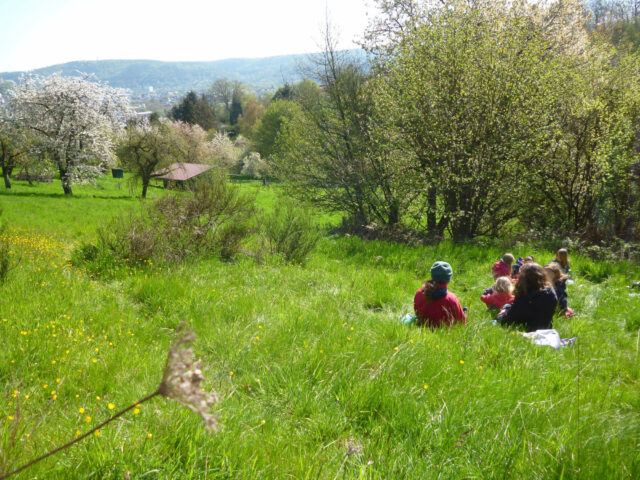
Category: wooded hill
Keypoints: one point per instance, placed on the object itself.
(261, 74)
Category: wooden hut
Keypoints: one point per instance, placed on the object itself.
(180, 173)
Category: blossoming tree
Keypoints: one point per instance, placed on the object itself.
(74, 120)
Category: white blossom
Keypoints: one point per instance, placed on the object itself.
(74, 120)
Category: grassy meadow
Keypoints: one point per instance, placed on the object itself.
(317, 377)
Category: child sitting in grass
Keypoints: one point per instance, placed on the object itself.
(434, 305)
(502, 268)
(559, 281)
(518, 265)
(535, 300)
(499, 294)
(562, 259)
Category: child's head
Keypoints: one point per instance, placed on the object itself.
(531, 279)
(508, 259)
(554, 273)
(563, 257)
(441, 272)
(503, 284)
(529, 259)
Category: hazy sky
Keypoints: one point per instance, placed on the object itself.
(38, 33)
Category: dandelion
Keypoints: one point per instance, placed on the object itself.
(97, 433)
(136, 411)
(149, 436)
(461, 362)
(263, 422)
(111, 406)
(87, 419)
(81, 410)
(426, 387)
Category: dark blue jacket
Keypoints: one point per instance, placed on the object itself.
(561, 293)
(535, 311)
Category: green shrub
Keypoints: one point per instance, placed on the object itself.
(94, 259)
(215, 220)
(290, 232)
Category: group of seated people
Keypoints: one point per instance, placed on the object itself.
(524, 293)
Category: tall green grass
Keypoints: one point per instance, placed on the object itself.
(317, 377)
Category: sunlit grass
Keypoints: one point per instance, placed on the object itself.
(318, 378)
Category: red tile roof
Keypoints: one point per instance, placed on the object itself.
(181, 171)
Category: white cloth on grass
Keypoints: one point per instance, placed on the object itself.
(549, 338)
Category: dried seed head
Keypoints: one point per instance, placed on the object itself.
(182, 379)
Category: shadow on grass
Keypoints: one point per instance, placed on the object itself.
(62, 195)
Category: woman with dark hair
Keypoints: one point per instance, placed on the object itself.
(535, 300)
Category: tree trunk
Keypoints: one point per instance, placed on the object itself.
(6, 173)
(145, 184)
(66, 182)
(394, 213)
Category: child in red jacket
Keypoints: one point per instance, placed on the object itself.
(502, 268)
(434, 305)
(499, 294)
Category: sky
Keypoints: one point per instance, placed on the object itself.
(39, 33)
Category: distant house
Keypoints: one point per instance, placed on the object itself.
(180, 173)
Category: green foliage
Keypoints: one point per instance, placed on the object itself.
(289, 231)
(194, 110)
(252, 112)
(331, 154)
(145, 148)
(96, 261)
(213, 221)
(277, 114)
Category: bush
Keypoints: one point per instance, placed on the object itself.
(94, 259)
(214, 220)
(289, 231)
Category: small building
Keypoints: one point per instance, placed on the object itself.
(180, 173)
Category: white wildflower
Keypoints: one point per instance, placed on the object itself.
(182, 379)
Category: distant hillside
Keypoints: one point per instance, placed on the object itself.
(261, 74)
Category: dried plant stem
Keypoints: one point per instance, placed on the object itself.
(76, 440)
